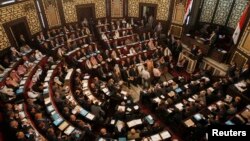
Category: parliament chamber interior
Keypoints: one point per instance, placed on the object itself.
(122, 70)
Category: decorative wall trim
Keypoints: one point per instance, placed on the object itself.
(179, 13)
(51, 12)
(176, 30)
(162, 10)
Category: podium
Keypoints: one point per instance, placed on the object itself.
(190, 59)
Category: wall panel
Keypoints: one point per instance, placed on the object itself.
(116, 8)
(51, 12)
(222, 11)
(208, 10)
(236, 12)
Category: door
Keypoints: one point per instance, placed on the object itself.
(85, 11)
(19, 33)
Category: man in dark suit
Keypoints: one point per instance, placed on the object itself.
(125, 76)
(97, 111)
(245, 73)
(133, 75)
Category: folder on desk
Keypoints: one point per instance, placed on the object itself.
(189, 123)
(105, 90)
(149, 119)
(19, 91)
(47, 100)
(122, 139)
(58, 121)
(90, 116)
(47, 79)
(129, 109)
(156, 137)
(229, 122)
(63, 126)
(55, 116)
(179, 106)
(46, 90)
(83, 112)
(178, 90)
(157, 100)
(191, 99)
(23, 82)
(134, 122)
(198, 116)
(165, 135)
(162, 96)
(69, 130)
(171, 94)
(50, 108)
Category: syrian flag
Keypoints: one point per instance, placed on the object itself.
(240, 25)
(187, 11)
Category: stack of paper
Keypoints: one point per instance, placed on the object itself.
(189, 123)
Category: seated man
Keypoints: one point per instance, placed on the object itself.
(133, 134)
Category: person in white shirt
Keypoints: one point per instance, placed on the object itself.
(157, 74)
(8, 91)
(38, 55)
(132, 21)
(104, 37)
(145, 75)
(117, 34)
(167, 52)
(132, 51)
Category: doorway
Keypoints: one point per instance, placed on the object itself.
(85, 11)
(148, 13)
(17, 28)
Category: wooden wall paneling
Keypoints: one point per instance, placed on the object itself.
(178, 12)
(176, 30)
(61, 13)
(239, 59)
(51, 12)
(244, 44)
(117, 8)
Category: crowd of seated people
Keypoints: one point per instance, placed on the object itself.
(23, 64)
(79, 91)
(64, 39)
(19, 124)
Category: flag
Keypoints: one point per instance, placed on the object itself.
(240, 25)
(187, 10)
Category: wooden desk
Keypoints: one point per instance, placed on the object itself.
(218, 55)
(219, 69)
(189, 41)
